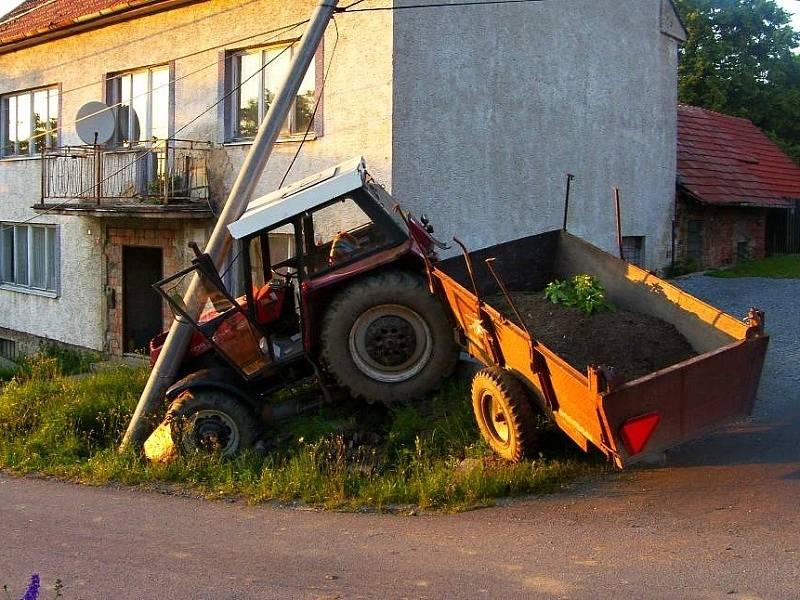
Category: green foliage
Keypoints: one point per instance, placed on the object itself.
(739, 60)
(774, 267)
(429, 455)
(582, 291)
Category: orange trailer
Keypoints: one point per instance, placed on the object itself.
(626, 421)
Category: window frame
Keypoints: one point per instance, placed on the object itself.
(639, 245)
(232, 67)
(52, 260)
(113, 97)
(52, 142)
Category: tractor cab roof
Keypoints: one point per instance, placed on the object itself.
(299, 197)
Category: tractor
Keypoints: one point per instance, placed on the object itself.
(330, 281)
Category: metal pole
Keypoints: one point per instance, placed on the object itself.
(570, 177)
(219, 244)
(619, 223)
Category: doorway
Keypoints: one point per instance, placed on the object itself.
(141, 305)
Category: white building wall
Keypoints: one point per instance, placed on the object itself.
(494, 105)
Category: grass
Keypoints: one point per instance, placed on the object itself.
(69, 361)
(775, 267)
(427, 456)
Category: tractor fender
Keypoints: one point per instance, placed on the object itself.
(211, 379)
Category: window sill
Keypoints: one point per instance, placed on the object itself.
(287, 139)
(20, 158)
(26, 290)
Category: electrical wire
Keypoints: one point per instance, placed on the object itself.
(348, 9)
(143, 155)
(316, 104)
(149, 92)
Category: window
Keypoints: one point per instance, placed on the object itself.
(29, 123)
(29, 256)
(8, 349)
(694, 248)
(143, 111)
(255, 75)
(633, 249)
(341, 232)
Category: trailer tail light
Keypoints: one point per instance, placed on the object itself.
(636, 432)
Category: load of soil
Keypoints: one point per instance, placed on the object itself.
(634, 344)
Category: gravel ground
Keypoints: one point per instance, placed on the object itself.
(779, 391)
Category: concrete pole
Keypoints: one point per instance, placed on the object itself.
(219, 244)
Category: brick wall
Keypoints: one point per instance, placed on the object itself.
(153, 235)
(722, 230)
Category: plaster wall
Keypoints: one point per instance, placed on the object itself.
(493, 105)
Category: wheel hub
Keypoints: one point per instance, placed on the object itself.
(213, 432)
(390, 341)
(497, 418)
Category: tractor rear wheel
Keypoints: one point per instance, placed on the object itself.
(386, 338)
(504, 413)
(211, 422)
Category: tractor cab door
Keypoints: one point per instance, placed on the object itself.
(222, 320)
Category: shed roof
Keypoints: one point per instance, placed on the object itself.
(729, 161)
(37, 20)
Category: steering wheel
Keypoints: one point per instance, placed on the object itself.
(286, 269)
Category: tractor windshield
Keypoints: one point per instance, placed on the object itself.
(208, 307)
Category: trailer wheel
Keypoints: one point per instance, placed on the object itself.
(504, 413)
(386, 338)
(211, 422)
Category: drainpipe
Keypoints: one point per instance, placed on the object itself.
(219, 244)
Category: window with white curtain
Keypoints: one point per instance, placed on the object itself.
(29, 256)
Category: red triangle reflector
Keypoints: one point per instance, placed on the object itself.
(636, 432)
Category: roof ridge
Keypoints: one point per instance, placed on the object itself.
(714, 112)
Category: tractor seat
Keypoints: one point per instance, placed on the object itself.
(269, 302)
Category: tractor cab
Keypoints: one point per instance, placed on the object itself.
(293, 246)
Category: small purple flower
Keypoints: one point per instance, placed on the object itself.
(32, 593)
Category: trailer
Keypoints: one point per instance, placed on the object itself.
(626, 421)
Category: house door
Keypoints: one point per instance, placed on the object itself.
(141, 305)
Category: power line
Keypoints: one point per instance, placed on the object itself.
(209, 48)
(348, 9)
(149, 92)
(54, 207)
(316, 104)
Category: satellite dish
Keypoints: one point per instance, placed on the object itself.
(95, 123)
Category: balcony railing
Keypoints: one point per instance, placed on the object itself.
(168, 172)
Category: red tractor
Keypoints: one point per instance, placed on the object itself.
(333, 284)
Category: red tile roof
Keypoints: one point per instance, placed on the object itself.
(728, 160)
(35, 17)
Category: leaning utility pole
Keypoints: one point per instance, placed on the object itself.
(219, 244)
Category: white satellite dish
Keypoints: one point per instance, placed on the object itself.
(95, 123)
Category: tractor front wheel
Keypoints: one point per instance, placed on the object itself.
(211, 422)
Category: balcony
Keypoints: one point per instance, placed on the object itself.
(165, 180)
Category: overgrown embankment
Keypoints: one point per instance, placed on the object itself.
(427, 456)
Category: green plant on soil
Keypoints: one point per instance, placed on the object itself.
(350, 457)
(582, 291)
(775, 267)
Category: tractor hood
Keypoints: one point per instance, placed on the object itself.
(299, 197)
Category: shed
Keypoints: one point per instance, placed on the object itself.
(738, 193)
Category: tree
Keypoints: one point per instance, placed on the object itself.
(740, 60)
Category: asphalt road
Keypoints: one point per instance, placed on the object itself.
(719, 521)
